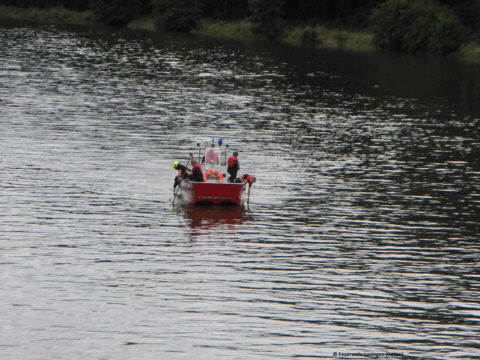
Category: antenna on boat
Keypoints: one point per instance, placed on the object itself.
(220, 142)
(225, 155)
(199, 153)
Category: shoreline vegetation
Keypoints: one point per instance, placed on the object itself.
(297, 35)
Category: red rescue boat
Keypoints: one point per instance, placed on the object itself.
(215, 188)
(216, 193)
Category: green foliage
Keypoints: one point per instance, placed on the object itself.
(266, 17)
(321, 36)
(225, 9)
(421, 26)
(177, 15)
(116, 12)
(470, 52)
(468, 12)
(79, 5)
(53, 15)
(341, 14)
(309, 36)
(233, 30)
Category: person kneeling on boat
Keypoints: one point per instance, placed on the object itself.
(196, 173)
(246, 179)
(183, 171)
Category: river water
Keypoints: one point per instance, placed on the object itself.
(360, 236)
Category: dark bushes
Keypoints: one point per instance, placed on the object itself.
(116, 12)
(266, 17)
(225, 9)
(78, 5)
(177, 15)
(421, 26)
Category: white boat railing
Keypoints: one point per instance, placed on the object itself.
(213, 156)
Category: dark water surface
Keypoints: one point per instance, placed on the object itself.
(361, 234)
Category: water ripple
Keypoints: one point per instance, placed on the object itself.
(361, 233)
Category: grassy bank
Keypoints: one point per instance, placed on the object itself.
(240, 30)
(299, 35)
(318, 36)
(323, 37)
(295, 35)
(470, 52)
(52, 15)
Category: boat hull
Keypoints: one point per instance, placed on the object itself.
(211, 192)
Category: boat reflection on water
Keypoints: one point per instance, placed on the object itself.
(205, 220)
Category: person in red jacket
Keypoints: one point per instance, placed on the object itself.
(233, 167)
(197, 173)
(246, 179)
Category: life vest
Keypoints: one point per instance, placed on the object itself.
(231, 160)
(247, 177)
(211, 158)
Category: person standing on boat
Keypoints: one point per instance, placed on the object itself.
(233, 167)
(246, 179)
(197, 173)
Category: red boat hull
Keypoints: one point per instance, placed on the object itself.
(212, 192)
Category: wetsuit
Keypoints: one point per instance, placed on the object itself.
(197, 173)
(233, 167)
(183, 168)
(178, 178)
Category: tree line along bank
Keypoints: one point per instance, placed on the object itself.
(416, 26)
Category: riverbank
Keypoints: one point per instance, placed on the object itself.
(298, 35)
(52, 15)
(294, 35)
